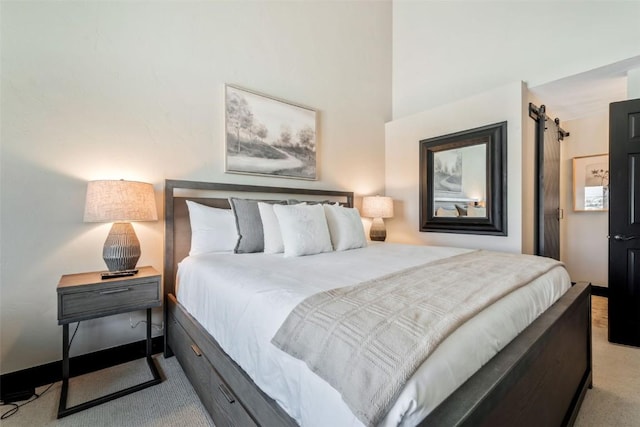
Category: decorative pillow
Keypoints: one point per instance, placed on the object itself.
(248, 225)
(462, 210)
(477, 212)
(298, 202)
(270, 229)
(446, 212)
(345, 227)
(304, 229)
(212, 229)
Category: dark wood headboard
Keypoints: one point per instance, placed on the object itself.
(177, 235)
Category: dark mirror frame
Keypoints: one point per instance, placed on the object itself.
(495, 223)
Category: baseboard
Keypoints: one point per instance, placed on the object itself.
(599, 291)
(17, 384)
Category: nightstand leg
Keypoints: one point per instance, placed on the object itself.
(149, 350)
(65, 352)
(63, 411)
(150, 361)
(65, 369)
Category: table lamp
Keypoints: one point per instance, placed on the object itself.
(120, 202)
(377, 207)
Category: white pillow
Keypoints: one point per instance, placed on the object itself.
(212, 229)
(447, 212)
(270, 229)
(345, 227)
(304, 229)
(477, 212)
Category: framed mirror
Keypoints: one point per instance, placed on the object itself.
(463, 182)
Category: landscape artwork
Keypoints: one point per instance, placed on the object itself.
(447, 178)
(266, 136)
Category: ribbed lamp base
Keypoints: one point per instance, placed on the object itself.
(378, 232)
(121, 250)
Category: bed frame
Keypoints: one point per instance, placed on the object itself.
(540, 378)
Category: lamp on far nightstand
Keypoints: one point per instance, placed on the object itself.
(120, 202)
(377, 207)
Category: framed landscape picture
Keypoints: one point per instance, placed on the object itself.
(447, 178)
(591, 183)
(268, 136)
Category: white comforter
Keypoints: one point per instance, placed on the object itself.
(243, 299)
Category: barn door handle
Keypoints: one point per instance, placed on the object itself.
(196, 350)
(624, 238)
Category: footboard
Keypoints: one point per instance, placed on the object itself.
(539, 379)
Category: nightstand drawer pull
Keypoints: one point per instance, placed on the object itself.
(196, 350)
(114, 291)
(227, 394)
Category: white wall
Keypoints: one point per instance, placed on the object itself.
(402, 164)
(444, 51)
(134, 90)
(633, 84)
(475, 171)
(584, 244)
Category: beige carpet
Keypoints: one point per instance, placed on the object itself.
(615, 397)
(170, 403)
(613, 401)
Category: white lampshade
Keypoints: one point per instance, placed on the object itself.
(119, 200)
(377, 207)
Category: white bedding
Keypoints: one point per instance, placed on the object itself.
(243, 299)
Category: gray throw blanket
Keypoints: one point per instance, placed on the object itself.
(367, 340)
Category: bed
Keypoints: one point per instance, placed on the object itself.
(539, 378)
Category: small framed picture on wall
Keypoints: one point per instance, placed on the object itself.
(591, 183)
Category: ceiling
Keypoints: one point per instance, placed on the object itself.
(587, 94)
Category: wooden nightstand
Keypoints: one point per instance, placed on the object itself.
(87, 296)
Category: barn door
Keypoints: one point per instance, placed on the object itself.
(547, 191)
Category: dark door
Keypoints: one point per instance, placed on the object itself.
(624, 222)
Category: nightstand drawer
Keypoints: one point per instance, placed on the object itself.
(105, 300)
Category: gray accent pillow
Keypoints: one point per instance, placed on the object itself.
(462, 210)
(248, 224)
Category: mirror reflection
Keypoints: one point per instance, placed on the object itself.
(460, 182)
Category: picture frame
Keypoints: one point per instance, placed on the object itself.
(591, 183)
(467, 193)
(268, 136)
